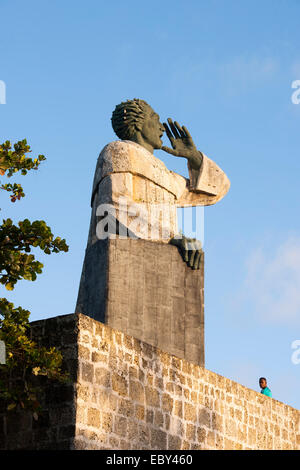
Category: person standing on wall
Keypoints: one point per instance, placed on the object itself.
(264, 389)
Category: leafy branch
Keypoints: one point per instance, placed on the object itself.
(25, 359)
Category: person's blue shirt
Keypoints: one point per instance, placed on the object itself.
(266, 391)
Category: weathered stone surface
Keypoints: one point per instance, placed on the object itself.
(133, 182)
(160, 402)
(55, 427)
(129, 159)
(146, 290)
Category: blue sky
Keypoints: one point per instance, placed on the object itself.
(223, 68)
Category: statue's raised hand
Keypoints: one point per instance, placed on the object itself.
(182, 144)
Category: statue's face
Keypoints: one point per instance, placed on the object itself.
(152, 129)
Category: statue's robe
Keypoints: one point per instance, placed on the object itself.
(135, 194)
(144, 194)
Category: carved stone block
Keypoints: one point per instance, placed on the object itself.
(146, 290)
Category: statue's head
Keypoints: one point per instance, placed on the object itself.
(135, 120)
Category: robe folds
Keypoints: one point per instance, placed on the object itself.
(144, 195)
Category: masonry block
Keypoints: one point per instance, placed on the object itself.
(145, 289)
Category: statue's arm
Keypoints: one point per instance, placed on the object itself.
(203, 188)
(210, 180)
(207, 183)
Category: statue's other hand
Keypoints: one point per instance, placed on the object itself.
(190, 250)
(182, 144)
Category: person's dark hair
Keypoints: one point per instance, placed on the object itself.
(128, 117)
(262, 378)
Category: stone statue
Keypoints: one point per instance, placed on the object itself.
(141, 286)
(134, 194)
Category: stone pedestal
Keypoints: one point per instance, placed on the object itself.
(146, 290)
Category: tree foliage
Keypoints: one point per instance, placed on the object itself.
(24, 358)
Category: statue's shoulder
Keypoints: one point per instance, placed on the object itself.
(125, 156)
(117, 148)
(128, 156)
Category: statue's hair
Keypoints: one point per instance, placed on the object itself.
(128, 117)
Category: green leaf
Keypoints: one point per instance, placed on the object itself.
(9, 286)
(11, 406)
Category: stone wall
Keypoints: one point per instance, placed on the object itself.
(56, 425)
(131, 395)
(127, 394)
